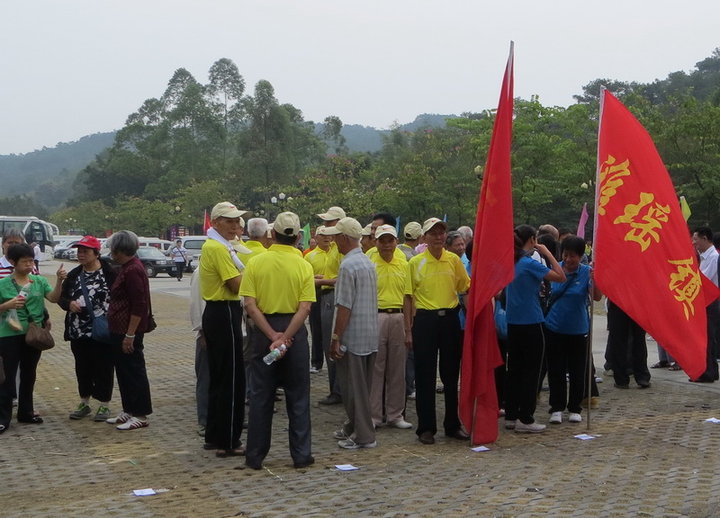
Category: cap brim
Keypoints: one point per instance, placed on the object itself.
(444, 225)
(332, 231)
(378, 236)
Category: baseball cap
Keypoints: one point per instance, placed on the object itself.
(332, 214)
(239, 247)
(413, 230)
(287, 224)
(348, 226)
(88, 242)
(321, 231)
(385, 229)
(367, 230)
(225, 209)
(430, 223)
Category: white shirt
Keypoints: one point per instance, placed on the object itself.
(709, 264)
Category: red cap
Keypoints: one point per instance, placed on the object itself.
(88, 242)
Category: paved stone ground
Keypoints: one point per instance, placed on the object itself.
(654, 455)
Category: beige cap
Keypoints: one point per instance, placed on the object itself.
(385, 229)
(239, 247)
(413, 230)
(430, 223)
(287, 224)
(321, 231)
(332, 214)
(225, 209)
(348, 226)
(367, 230)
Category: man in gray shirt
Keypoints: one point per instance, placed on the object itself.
(354, 340)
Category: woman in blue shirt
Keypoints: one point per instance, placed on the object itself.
(526, 342)
(567, 325)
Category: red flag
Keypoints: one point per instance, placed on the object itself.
(644, 258)
(492, 270)
(206, 222)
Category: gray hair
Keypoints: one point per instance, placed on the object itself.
(13, 232)
(466, 233)
(125, 242)
(257, 227)
(452, 236)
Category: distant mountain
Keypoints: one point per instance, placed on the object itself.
(366, 138)
(48, 173)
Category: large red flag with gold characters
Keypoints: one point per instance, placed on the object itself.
(644, 258)
(492, 269)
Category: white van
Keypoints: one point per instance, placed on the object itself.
(193, 244)
(161, 244)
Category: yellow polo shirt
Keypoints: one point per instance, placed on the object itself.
(216, 267)
(256, 248)
(317, 258)
(374, 252)
(280, 281)
(436, 282)
(332, 264)
(393, 280)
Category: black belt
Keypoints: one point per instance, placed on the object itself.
(390, 310)
(438, 312)
(279, 314)
(326, 292)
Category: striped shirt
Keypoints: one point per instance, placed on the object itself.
(356, 289)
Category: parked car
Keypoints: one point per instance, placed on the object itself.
(61, 248)
(155, 261)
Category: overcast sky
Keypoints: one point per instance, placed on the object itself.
(75, 67)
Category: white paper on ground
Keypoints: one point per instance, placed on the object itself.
(712, 420)
(584, 437)
(346, 467)
(480, 448)
(144, 492)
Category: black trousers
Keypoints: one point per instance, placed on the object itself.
(526, 345)
(16, 353)
(132, 377)
(226, 408)
(178, 269)
(317, 356)
(291, 373)
(566, 354)
(94, 368)
(713, 321)
(327, 310)
(433, 336)
(626, 340)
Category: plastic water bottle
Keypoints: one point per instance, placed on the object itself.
(12, 317)
(275, 354)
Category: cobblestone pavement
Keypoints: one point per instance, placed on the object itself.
(653, 456)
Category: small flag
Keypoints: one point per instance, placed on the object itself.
(206, 222)
(583, 221)
(685, 208)
(306, 236)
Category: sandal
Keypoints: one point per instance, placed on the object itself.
(237, 452)
(674, 367)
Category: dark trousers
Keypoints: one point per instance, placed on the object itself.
(713, 320)
(179, 268)
(501, 374)
(317, 356)
(132, 378)
(435, 335)
(626, 339)
(94, 368)
(226, 408)
(327, 310)
(526, 344)
(291, 373)
(566, 354)
(16, 353)
(202, 381)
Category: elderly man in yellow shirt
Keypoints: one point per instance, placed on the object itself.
(278, 289)
(395, 330)
(437, 278)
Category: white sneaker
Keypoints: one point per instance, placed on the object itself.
(535, 427)
(556, 418)
(133, 424)
(574, 418)
(400, 423)
(340, 434)
(122, 417)
(510, 424)
(412, 395)
(349, 444)
(314, 370)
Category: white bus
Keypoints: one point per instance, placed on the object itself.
(35, 230)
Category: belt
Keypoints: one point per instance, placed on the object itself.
(438, 312)
(279, 314)
(390, 310)
(327, 292)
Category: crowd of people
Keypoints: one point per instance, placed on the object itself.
(386, 318)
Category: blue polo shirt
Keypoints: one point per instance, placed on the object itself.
(568, 315)
(523, 293)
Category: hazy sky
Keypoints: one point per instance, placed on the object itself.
(74, 67)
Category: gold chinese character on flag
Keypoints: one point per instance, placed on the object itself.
(610, 180)
(644, 218)
(685, 284)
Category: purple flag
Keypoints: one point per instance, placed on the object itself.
(583, 221)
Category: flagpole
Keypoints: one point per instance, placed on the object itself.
(592, 279)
